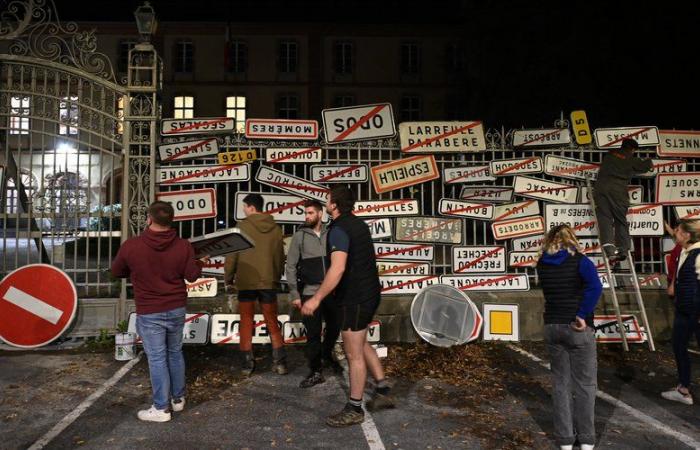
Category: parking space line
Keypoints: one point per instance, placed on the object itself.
(82, 407)
(369, 428)
(639, 415)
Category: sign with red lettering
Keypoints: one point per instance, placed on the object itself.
(209, 125)
(404, 172)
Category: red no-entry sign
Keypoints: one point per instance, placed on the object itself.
(37, 304)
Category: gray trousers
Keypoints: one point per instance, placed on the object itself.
(611, 212)
(574, 382)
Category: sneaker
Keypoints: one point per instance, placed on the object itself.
(312, 379)
(333, 365)
(566, 447)
(280, 367)
(348, 416)
(154, 415)
(587, 446)
(380, 401)
(676, 396)
(177, 405)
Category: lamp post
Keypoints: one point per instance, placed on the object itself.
(146, 23)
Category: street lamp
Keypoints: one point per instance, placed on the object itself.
(146, 22)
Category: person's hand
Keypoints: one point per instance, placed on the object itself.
(205, 259)
(296, 303)
(579, 325)
(310, 306)
(670, 290)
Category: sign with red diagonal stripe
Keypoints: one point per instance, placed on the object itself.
(404, 172)
(678, 188)
(179, 151)
(402, 268)
(284, 208)
(545, 190)
(379, 228)
(222, 242)
(683, 143)
(289, 183)
(523, 259)
(442, 137)
(404, 252)
(281, 129)
(467, 174)
(527, 243)
(225, 328)
(191, 204)
(487, 193)
(195, 331)
(293, 155)
(294, 332)
(37, 305)
(208, 125)
(478, 259)
(613, 137)
(429, 229)
(635, 191)
(406, 284)
(525, 226)
(350, 173)
(509, 167)
(386, 208)
(479, 283)
(461, 208)
(202, 287)
(516, 210)
(202, 174)
(575, 169)
(646, 220)
(579, 217)
(215, 265)
(687, 212)
(665, 166)
(358, 123)
(541, 138)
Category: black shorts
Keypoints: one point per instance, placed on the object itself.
(356, 317)
(263, 295)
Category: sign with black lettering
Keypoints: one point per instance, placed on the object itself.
(516, 210)
(203, 287)
(545, 190)
(237, 157)
(480, 283)
(404, 252)
(209, 125)
(508, 167)
(179, 151)
(290, 183)
(225, 328)
(607, 330)
(678, 188)
(687, 212)
(351, 173)
(579, 123)
(635, 191)
(487, 193)
(402, 268)
(579, 217)
(195, 330)
(358, 123)
(222, 242)
(284, 208)
(406, 284)
(613, 137)
(386, 208)
(646, 220)
(460, 208)
(281, 129)
(293, 155)
(575, 169)
(683, 143)
(429, 229)
(404, 172)
(541, 138)
(191, 204)
(523, 259)
(529, 243)
(202, 174)
(665, 166)
(478, 259)
(442, 137)
(379, 228)
(294, 332)
(524, 226)
(467, 174)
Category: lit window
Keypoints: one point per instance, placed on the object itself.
(19, 116)
(235, 107)
(183, 107)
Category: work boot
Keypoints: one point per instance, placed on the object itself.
(279, 361)
(380, 401)
(345, 418)
(248, 364)
(314, 378)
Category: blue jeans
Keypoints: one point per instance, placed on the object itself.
(161, 334)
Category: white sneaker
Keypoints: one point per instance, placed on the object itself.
(154, 415)
(676, 396)
(566, 447)
(178, 405)
(586, 447)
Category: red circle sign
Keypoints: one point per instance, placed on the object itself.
(37, 304)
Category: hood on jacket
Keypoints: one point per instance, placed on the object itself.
(264, 223)
(307, 229)
(555, 259)
(158, 240)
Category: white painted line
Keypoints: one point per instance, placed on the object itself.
(81, 408)
(369, 428)
(694, 351)
(33, 305)
(642, 417)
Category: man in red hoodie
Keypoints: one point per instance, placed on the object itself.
(158, 262)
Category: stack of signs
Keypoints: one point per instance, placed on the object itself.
(397, 262)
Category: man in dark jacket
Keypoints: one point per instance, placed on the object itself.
(158, 262)
(612, 199)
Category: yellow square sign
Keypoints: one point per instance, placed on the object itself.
(501, 322)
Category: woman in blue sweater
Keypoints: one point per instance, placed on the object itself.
(571, 288)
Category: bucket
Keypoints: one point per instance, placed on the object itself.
(124, 346)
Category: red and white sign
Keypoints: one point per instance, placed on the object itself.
(225, 328)
(665, 166)
(487, 193)
(526, 226)
(477, 283)
(209, 125)
(281, 129)
(478, 259)
(683, 143)
(202, 174)
(406, 284)
(523, 259)
(203, 287)
(540, 138)
(442, 137)
(37, 304)
(215, 265)
(516, 210)
(613, 137)
(687, 212)
(290, 183)
(355, 173)
(460, 208)
(179, 151)
(379, 228)
(636, 194)
(509, 167)
(402, 268)
(404, 172)
(545, 190)
(646, 220)
(404, 252)
(529, 243)
(191, 204)
(194, 331)
(467, 174)
(294, 332)
(386, 208)
(358, 123)
(678, 188)
(579, 217)
(607, 329)
(575, 169)
(293, 155)
(284, 208)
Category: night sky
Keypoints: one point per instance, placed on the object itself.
(631, 65)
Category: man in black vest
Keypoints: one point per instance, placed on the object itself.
(353, 275)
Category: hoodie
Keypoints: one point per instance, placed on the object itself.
(158, 263)
(261, 266)
(306, 245)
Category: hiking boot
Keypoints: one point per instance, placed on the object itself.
(312, 379)
(248, 366)
(333, 365)
(345, 418)
(380, 401)
(279, 361)
(153, 414)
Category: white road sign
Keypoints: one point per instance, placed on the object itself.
(290, 183)
(225, 328)
(429, 229)
(525, 226)
(294, 332)
(636, 194)
(293, 155)
(666, 166)
(281, 129)
(215, 265)
(358, 123)
(687, 212)
(516, 210)
(523, 259)
(545, 190)
(442, 137)
(285, 208)
(195, 330)
(613, 137)
(460, 208)
(202, 174)
(203, 287)
(406, 284)
(402, 268)
(540, 138)
(575, 169)
(386, 208)
(208, 125)
(404, 252)
(478, 259)
(646, 220)
(681, 143)
(529, 243)
(404, 172)
(509, 167)
(350, 173)
(179, 151)
(477, 283)
(379, 228)
(222, 242)
(579, 217)
(191, 204)
(487, 193)
(678, 189)
(467, 174)
(607, 329)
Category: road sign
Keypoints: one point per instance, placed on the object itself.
(509, 167)
(478, 259)
(203, 287)
(379, 228)
(358, 123)
(195, 331)
(646, 220)
(191, 204)
(613, 137)
(678, 188)
(579, 123)
(635, 191)
(442, 137)
(685, 144)
(545, 190)
(467, 174)
(284, 208)
(579, 217)
(607, 329)
(404, 172)
(541, 138)
(516, 210)
(429, 229)
(281, 129)
(215, 265)
(37, 305)
(208, 125)
(406, 284)
(477, 283)
(293, 155)
(529, 243)
(687, 212)
(225, 328)
(487, 193)
(179, 151)
(222, 242)
(525, 226)
(404, 252)
(351, 173)
(386, 208)
(238, 157)
(665, 166)
(402, 268)
(295, 185)
(576, 169)
(202, 174)
(460, 208)
(294, 332)
(523, 259)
